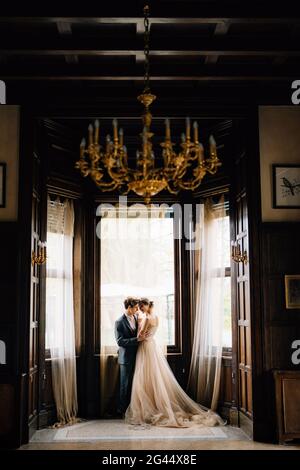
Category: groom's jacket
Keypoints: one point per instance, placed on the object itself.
(127, 341)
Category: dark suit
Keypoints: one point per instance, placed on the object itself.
(126, 338)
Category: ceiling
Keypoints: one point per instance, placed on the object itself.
(196, 47)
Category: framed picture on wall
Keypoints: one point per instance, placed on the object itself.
(286, 186)
(2, 184)
(292, 291)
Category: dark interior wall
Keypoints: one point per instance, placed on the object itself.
(280, 250)
(12, 234)
(9, 378)
(10, 374)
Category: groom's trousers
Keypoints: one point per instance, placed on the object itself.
(126, 377)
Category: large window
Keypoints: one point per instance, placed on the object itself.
(59, 282)
(137, 259)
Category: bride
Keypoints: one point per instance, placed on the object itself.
(156, 396)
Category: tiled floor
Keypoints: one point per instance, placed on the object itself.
(116, 435)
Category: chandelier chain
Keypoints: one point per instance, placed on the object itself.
(146, 51)
(182, 169)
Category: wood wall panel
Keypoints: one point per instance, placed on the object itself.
(281, 256)
(280, 250)
(7, 408)
(242, 338)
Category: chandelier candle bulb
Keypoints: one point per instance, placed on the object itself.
(121, 134)
(195, 127)
(212, 144)
(97, 125)
(183, 137)
(107, 143)
(168, 130)
(90, 129)
(188, 129)
(201, 152)
(82, 147)
(115, 126)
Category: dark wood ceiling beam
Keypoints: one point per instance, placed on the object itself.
(120, 52)
(153, 20)
(65, 29)
(161, 78)
(221, 29)
(117, 71)
(279, 60)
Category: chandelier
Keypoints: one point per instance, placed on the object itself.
(108, 165)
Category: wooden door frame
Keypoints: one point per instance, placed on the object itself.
(250, 115)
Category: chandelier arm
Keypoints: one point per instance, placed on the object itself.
(172, 191)
(190, 185)
(114, 176)
(109, 185)
(105, 188)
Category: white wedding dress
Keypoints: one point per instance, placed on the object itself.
(156, 397)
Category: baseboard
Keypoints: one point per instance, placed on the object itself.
(224, 412)
(32, 426)
(246, 424)
(47, 417)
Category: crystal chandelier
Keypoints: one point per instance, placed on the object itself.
(108, 165)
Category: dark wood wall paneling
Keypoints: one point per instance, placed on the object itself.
(280, 250)
(9, 385)
(15, 241)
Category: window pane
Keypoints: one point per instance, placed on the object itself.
(137, 259)
(223, 260)
(56, 282)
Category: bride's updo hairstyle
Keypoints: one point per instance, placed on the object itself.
(145, 301)
(130, 302)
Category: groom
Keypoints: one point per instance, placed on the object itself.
(126, 337)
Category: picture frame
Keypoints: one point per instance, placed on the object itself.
(2, 185)
(292, 291)
(286, 186)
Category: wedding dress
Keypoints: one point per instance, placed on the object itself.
(156, 396)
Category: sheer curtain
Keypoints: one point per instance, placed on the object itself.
(60, 336)
(137, 259)
(205, 370)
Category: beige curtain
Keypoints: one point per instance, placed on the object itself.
(60, 336)
(205, 370)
